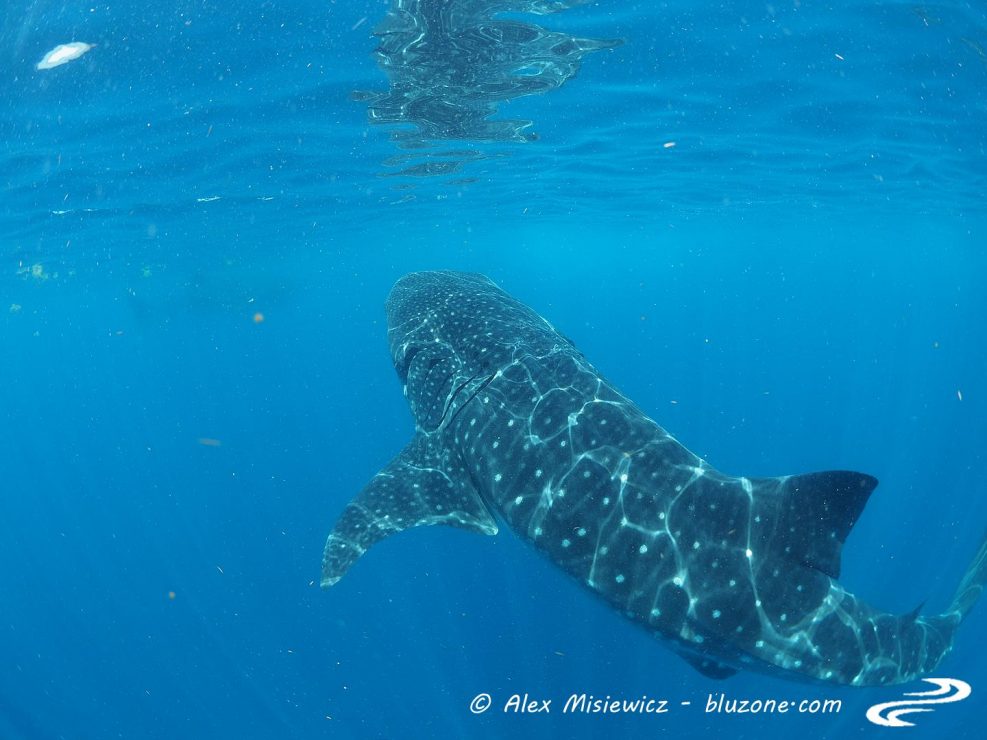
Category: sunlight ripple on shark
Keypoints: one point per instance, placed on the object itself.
(733, 572)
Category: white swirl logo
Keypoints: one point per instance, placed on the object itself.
(888, 714)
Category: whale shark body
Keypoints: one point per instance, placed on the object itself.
(513, 423)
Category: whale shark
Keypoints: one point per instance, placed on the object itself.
(514, 425)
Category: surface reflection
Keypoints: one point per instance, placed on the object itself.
(450, 64)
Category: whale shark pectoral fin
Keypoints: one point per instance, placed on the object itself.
(816, 513)
(419, 487)
(709, 667)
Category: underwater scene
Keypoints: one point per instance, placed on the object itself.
(661, 327)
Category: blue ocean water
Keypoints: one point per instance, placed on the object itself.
(766, 224)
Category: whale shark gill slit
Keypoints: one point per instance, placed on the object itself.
(473, 395)
(451, 399)
(404, 366)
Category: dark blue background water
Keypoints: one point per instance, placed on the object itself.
(796, 285)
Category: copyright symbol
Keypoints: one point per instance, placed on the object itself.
(480, 703)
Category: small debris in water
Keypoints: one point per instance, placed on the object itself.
(209, 442)
(959, 395)
(63, 53)
(36, 271)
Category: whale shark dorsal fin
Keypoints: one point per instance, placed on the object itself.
(815, 513)
(913, 614)
(709, 667)
(425, 484)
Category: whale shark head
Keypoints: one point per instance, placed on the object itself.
(422, 311)
(449, 331)
(435, 323)
(478, 321)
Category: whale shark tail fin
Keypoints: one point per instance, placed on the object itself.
(931, 637)
(971, 586)
(421, 486)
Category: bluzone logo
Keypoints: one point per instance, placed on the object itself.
(949, 690)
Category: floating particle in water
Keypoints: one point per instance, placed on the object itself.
(210, 442)
(171, 595)
(258, 318)
(64, 53)
(927, 19)
(15, 307)
(669, 145)
(36, 271)
(976, 46)
(959, 395)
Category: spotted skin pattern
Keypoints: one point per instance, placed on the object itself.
(733, 572)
